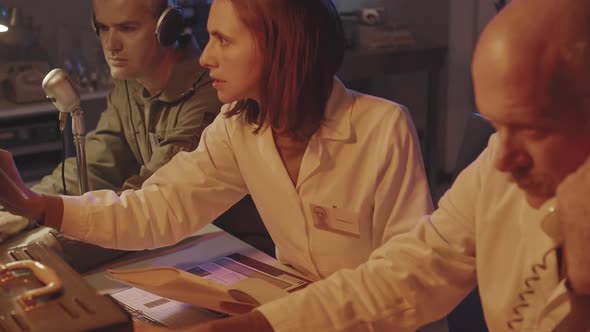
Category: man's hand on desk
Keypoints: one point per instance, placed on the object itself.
(251, 322)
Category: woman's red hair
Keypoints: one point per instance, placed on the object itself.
(302, 45)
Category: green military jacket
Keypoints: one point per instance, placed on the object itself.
(129, 145)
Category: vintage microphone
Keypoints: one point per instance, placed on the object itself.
(63, 93)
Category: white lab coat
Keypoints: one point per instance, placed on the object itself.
(363, 167)
(483, 224)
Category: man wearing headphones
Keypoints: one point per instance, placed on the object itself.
(161, 101)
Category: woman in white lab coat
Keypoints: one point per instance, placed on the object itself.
(334, 173)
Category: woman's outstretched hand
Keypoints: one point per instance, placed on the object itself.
(15, 196)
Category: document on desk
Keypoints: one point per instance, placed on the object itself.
(230, 285)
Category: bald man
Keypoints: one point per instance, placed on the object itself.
(496, 227)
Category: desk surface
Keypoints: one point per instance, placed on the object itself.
(207, 245)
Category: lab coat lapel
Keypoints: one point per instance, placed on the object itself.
(273, 162)
(286, 213)
(337, 126)
(310, 162)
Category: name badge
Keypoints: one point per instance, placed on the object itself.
(336, 220)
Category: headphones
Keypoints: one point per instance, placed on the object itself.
(169, 28)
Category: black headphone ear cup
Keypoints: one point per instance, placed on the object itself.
(170, 26)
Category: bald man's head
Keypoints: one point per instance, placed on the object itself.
(531, 74)
(540, 44)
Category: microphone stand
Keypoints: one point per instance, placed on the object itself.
(63, 93)
(79, 134)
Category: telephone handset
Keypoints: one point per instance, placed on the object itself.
(550, 225)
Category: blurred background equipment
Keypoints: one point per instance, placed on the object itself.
(22, 61)
(372, 16)
(369, 16)
(21, 80)
(7, 18)
(19, 41)
(195, 18)
(390, 36)
(370, 28)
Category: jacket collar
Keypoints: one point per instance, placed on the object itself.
(184, 75)
(337, 124)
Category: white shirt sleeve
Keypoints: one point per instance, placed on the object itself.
(413, 279)
(402, 196)
(165, 209)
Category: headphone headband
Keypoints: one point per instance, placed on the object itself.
(169, 27)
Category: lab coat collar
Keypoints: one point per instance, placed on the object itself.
(337, 124)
